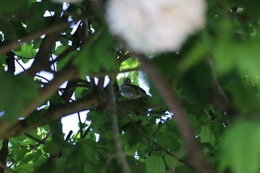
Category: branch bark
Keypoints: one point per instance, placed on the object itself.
(39, 118)
(114, 121)
(41, 60)
(3, 155)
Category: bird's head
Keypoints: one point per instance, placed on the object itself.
(127, 81)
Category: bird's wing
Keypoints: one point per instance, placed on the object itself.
(138, 89)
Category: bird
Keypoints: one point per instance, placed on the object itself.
(131, 91)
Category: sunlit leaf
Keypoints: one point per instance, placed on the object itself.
(27, 51)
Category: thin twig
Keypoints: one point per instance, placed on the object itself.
(80, 125)
(20, 64)
(35, 75)
(34, 138)
(69, 135)
(78, 132)
(38, 144)
(42, 77)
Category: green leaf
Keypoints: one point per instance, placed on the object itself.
(155, 164)
(171, 162)
(207, 136)
(82, 92)
(62, 63)
(86, 61)
(31, 1)
(240, 147)
(60, 49)
(17, 91)
(196, 54)
(245, 96)
(36, 22)
(13, 6)
(167, 63)
(165, 137)
(2, 60)
(27, 51)
(197, 82)
(97, 55)
(103, 52)
(56, 131)
(242, 56)
(53, 147)
(129, 63)
(26, 168)
(98, 119)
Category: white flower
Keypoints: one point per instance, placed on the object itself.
(68, 1)
(155, 25)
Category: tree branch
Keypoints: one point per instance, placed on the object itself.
(39, 118)
(123, 57)
(43, 94)
(50, 88)
(3, 155)
(16, 43)
(34, 138)
(41, 60)
(10, 62)
(115, 129)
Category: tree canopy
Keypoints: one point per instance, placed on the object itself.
(201, 112)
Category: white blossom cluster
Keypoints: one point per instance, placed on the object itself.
(150, 26)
